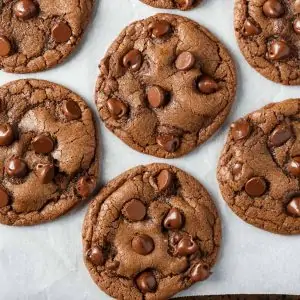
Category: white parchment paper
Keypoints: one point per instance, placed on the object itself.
(45, 262)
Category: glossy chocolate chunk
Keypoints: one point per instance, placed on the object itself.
(293, 208)
(117, 108)
(174, 219)
(207, 85)
(168, 142)
(95, 256)
(199, 272)
(185, 4)
(240, 129)
(4, 198)
(61, 32)
(134, 210)
(15, 167)
(156, 96)
(43, 144)
(133, 60)
(6, 135)
(280, 135)
(186, 246)
(5, 46)
(250, 29)
(142, 244)
(273, 8)
(293, 166)
(256, 186)
(160, 28)
(45, 173)
(71, 110)
(296, 25)
(278, 50)
(237, 168)
(164, 180)
(185, 61)
(146, 282)
(86, 186)
(26, 9)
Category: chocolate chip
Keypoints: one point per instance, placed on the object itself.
(117, 108)
(280, 135)
(16, 167)
(293, 166)
(95, 256)
(6, 135)
(186, 246)
(61, 32)
(26, 9)
(4, 199)
(43, 144)
(293, 208)
(133, 60)
(174, 219)
(168, 142)
(113, 265)
(207, 85)
(86, 185)
(5, 46)
(250, 29)
(200, 272)
(185, 61)
(134, 210)
(45, 173)
(237, 168)
(185, 4)
(156, 96)
(273, 9)
(296, 25)
(146, 282)
(71, 110)
(279, 50)
(240, 129)
(164, 180)
(256, 186)
(160, 28)
(297, 6)
(142, 244)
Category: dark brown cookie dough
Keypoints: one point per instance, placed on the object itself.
(166, 85)
(268, 34)
(48, 151)
(150, 233)
(171, 4)
(38, 34)
(259, 169)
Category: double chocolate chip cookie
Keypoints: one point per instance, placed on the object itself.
(48, 151)
(171, 4)
(38, 34)
(259, 169)
(166, 85)
(268, 33)
(150, 233)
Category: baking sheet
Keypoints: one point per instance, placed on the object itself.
(45, 262)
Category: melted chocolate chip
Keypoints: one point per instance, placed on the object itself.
(134, 210)
(43, 144)
(26, 9)
(174, 219)
(278, 50)
(71, 110)
(168, 142)
(45, 173)
(185, 61)
(156, 96)
(146, 282)
(207, 85)
(294, 166)
(240, 129)
(6, 135)
(61, 32)
(5, 46)
(250, 29)
(280, 135)
(186, 246)
(160, 28)
(293, 208)
(164, 180)
(185, 4)
(142, 244)
(199, 272)
(4, 198)
(237, 168)
(95, 256)
(133, 60)
(256, 186)
(15, 167)
(273, 8)
(117, 108)
(296, 25)
(86, 186)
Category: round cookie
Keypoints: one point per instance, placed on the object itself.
(172, 4)
(166, 85)
(259, 168)
(48, 151)
(268, 32)
(150, 233)
(38, 34)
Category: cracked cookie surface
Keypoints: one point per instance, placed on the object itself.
(259, 168)
(38, 34)
(166, 85)
(150, 233)
(48, 151)
(171, 4)
(268, 34)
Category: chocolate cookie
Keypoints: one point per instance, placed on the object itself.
(259, 169)
(38, 34)
(166, 85)
(268, 32)
(48, 151)
(171, 4)
(150, 233)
